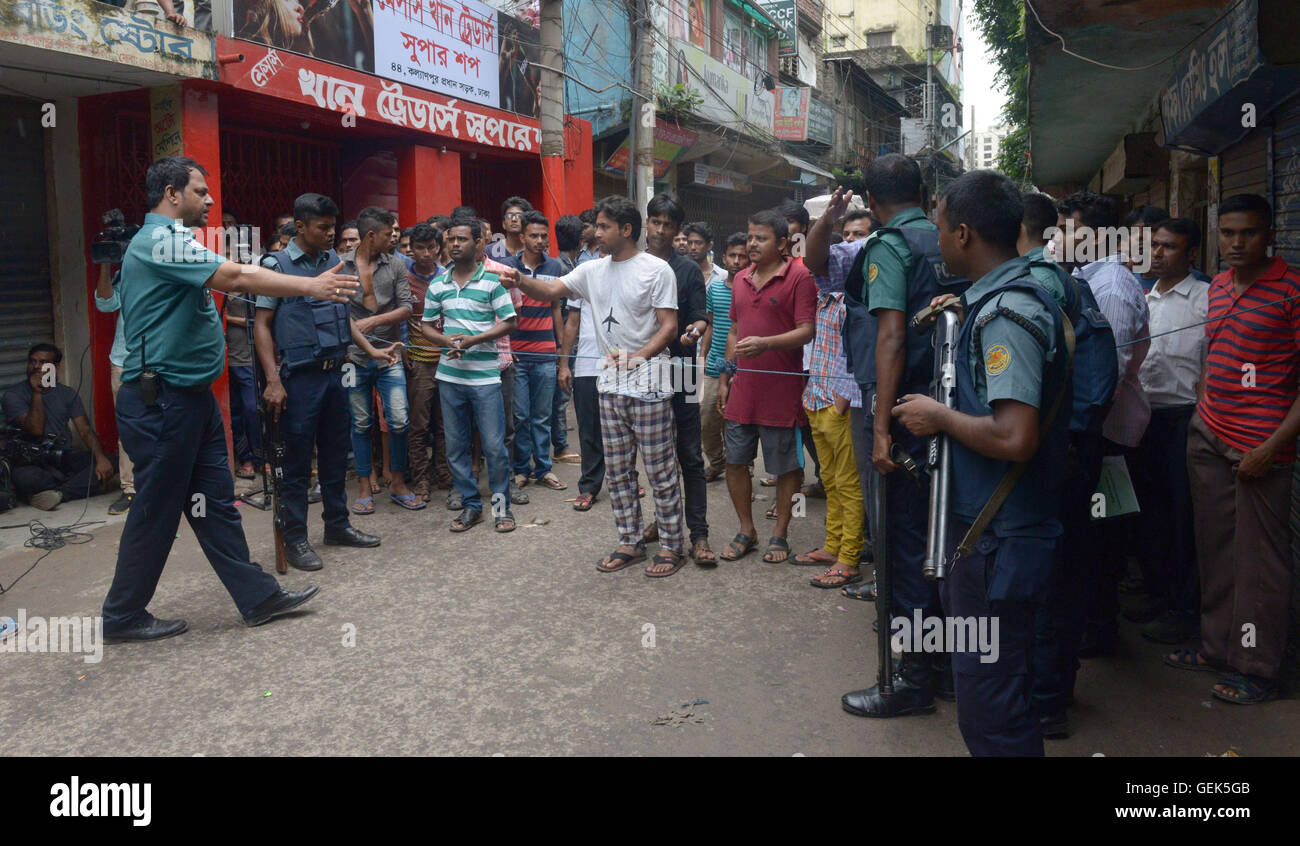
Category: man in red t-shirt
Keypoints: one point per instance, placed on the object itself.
(773, 310)
(1241, 448)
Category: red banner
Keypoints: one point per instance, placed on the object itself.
(302, 80)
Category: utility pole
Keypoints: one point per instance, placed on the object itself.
(643, 107)
(552, 108)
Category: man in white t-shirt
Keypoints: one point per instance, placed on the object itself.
(633, 300)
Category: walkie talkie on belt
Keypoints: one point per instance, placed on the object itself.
(149, 381)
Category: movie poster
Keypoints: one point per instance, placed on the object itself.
(519, 77)
(338, 31)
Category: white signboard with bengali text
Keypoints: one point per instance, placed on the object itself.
(448, 46)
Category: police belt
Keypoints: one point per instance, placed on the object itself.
(327, 365)
(180, 389)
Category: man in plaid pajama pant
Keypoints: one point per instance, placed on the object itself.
(633, 296)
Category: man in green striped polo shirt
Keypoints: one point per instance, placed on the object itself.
(475, 310)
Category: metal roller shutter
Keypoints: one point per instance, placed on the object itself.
(1286, 180)
(28, 315)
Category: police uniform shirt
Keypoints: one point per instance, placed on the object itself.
(317, 265)
(1009, 362)
(1045, 277)
(888, 263)
(167, 307)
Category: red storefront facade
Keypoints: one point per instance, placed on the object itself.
(275, 124)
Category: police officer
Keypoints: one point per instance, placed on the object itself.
(305, 391)
(167, 417)
(897, 273)
(1013, 379)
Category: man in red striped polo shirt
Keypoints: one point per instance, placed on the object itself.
(1241, 448)
(534, 344)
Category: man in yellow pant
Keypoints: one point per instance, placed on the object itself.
(829, 394)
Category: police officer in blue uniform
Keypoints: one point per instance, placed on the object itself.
(1013, 406)
(896, 274)
(167, 417)
(305, 390)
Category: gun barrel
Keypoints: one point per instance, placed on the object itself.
(884, 580)
(945, 391)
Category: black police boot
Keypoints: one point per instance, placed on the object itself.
(1055, 726)
(148, 627)
(913, 692)
(349, 536)
(301, 556)
(278, 604)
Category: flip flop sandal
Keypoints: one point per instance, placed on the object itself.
(666, 558)
(1189, 659)
(584, 502)
(467, 520)
(621, 560)
(454, 502)
(740, 546)
(706, 562)
(768, 481)
(849, 578)
(1251, 690)
(865, 591)
(806, 559)
(775, 544)
(364, 505)
(409, 501)
(771, 512)
(553, 483)
(501, 524)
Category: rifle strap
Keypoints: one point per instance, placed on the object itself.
(1008, 483)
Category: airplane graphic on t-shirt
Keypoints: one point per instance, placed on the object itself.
(610, 321)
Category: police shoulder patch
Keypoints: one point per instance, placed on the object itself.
(996, 359)
(872, 272)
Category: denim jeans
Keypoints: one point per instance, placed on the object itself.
(534, 403)
(466, 408)
(560, 418)
(390, 380)
(244, 429)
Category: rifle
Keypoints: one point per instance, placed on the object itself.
(272, 453)
(277, 500)
(884, 581)
(946, 325)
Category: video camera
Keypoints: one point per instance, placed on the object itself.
(109, 246)
(21, 449)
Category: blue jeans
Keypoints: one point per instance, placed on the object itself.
(390, 380)
(534, 404)
(243, 413)
(559, 418)
(464, 409)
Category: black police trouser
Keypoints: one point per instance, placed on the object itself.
(994, 708)
(74, 477)
(586, 407)
(907, 521)
(316, 413)
(1166, 542)
(178, 447)
(1059, 622)
(690, 455)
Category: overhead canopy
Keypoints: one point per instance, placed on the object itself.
(796, 162)
(1079, 110)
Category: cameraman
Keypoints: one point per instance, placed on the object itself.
(42, 408)
(168, 418)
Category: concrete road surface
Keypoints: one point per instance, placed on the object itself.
(478, 643)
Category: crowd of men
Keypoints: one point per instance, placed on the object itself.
(432, 352)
